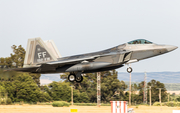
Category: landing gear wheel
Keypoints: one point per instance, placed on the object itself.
(79, 79)
(129, 69)
(71, 78)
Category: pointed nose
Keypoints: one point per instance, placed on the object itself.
(171, 48)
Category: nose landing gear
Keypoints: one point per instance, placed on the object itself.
(129, 69)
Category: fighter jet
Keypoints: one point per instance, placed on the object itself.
(43, 57)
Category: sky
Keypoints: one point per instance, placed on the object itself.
(84, 26)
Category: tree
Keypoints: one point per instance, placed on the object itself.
(15, 61)
(61, 91)
(134, 96)
(155, 92)
(36, 78)
(18, 56)
(2, 91)
(23, 88)
(111, 87)
(139, 98)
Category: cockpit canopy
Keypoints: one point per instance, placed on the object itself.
(140, 41)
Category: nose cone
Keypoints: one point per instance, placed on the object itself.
(171, 48)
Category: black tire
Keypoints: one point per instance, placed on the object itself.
(70, 78)
(79, 80)
(129, 70)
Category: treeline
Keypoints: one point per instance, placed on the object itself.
(18, 87)
(24, 88)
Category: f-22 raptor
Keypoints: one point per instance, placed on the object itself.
(43, 57)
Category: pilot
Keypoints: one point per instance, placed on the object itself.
(136, 42)
(145, 42)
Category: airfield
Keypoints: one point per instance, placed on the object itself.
(81, 109)
(103, 51)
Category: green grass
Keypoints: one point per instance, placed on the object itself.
(105, 104)
(90, 104)
(44, 103)
(157, 104)
(169, 104)
(85, 104)
(172, 104)
(60, 104)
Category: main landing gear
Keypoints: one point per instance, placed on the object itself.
(75, 77)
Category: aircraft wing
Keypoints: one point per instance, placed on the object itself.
(77, 59)
(61, 62)
(65, 61)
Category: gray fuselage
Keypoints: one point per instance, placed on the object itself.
(105, 60)
(114, 58)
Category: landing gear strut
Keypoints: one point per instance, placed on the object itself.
(129, 69)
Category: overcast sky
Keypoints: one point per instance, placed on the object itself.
(83, 26)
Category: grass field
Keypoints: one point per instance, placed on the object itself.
(81, 109)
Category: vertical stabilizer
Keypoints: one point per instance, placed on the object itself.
(52, 47)
(37, 52)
